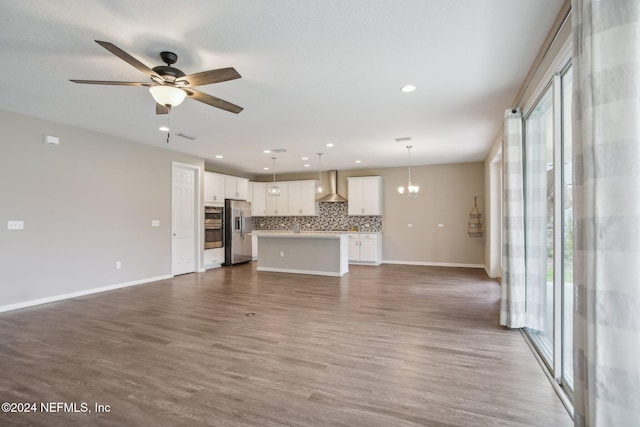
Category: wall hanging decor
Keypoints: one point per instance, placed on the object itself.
(475, 221)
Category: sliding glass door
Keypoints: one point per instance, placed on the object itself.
(548, 227)
(567, 232)
(539, 224)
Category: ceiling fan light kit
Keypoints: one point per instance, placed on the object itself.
(169, 86)
(169, 96)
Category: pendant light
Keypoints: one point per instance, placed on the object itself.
(319, 190)
(412, 190)
(274, 190)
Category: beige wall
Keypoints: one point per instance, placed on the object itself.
(446, 197)
(86, 204)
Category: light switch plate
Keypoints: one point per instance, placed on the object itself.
(15, 225)
(155, 223)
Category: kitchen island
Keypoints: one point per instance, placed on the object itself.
(310, 252)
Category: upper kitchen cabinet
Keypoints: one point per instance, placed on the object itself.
(258, 199)
(278, 205)
(236, 188)
(365, 195)
(302, 198)
(214, 188)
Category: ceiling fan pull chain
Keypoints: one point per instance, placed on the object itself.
(169, 128)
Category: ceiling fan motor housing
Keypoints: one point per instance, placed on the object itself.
(168, 58)
(167, 70)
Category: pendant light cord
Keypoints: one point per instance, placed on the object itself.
(274, 170)
(409, 148)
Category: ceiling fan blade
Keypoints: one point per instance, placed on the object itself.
(213, 101)
(106, 82)
(161, 109)
(211, 76)
(127, 58)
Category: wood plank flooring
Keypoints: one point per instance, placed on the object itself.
(382, 346)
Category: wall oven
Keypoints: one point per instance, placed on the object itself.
(213, 227)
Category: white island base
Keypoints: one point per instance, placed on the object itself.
(324, 254)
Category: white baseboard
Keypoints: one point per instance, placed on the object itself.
(434, 264)
(39, 301)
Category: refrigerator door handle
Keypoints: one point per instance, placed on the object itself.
(242, 224)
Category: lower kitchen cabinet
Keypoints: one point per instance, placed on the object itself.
(213, 257)
(365, 248)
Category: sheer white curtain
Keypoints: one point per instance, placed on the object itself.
(539, 206)
(512, 303)
(606, 140)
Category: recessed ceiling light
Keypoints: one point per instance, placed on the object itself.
(305, 158)
(266, 151)
(218, 156)
(330, 144)
(266, 169)
(408, 88)
(306, 165)
(164, 128)
(358, 161)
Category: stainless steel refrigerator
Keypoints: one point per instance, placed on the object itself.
(237, 233)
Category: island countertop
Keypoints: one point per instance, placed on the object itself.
(319, 253)
(302, 234)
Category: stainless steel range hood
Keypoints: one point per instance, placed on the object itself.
(333, 195)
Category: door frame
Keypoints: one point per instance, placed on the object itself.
(197, 215)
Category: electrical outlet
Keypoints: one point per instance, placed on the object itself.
(409, 225)
(281, 254)
(440, 225)
(15, 225)
(155, 223)
(118, 265)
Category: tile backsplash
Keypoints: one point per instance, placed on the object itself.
(331, 217)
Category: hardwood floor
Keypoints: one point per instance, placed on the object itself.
(382, 346)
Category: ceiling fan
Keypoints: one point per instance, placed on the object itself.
(169, 85)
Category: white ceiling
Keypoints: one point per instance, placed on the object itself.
(313, 72)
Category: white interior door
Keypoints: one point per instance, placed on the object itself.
(183, 220)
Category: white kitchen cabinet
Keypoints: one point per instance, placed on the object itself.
(278, 205)
(302, 198)
(236, 187)
(365, 195)
(213, 257)
(258, 199)
(249, 192)
(365, 248)
(214, 188)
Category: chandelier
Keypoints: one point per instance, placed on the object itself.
(411, 191)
